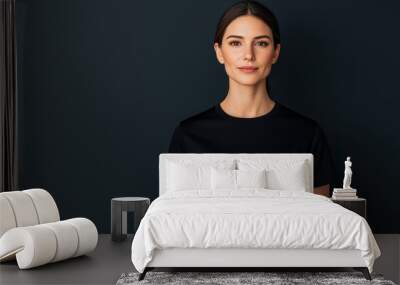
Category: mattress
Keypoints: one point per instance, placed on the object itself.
(250, 218)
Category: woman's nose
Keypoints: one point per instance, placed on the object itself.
(249, 53)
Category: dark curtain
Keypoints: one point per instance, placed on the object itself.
(8, 97)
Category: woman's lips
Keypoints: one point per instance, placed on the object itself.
(248, 69)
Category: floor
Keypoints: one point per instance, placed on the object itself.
(102, 266)
(111, 259)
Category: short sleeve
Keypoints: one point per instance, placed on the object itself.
(175, 145)
(323, 164)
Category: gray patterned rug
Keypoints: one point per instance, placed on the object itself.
(230, 278)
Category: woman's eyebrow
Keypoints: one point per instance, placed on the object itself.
(241, 37)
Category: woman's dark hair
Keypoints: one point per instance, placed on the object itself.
(253, 8)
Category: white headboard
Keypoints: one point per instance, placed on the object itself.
(308, 157)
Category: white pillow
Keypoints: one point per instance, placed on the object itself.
(223, 179)
(229, 179)
(281, 174)
(251, 178)
(289, 179)
(187, 174)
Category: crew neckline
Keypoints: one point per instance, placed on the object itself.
(226, 115)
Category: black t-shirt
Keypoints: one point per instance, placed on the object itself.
(281, 130)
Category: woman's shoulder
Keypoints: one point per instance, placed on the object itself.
(297, 118)
(284, 116)
(199, 117)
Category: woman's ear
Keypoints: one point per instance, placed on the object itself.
(276, 53)
(218, 53)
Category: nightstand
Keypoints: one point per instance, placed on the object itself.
(358, 205)
(119, 208)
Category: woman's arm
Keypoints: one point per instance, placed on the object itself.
(175, 145)
(323, 163)
(322, 190)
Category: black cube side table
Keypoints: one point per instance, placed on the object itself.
(358, 205)
(119, 208)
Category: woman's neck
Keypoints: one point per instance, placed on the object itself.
(247, 101)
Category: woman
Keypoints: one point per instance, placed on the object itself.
(247, 42)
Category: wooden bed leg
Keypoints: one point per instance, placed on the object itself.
(143, 274)
(364, 271)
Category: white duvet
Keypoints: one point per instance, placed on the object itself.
(251, 218)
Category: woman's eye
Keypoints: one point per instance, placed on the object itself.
(264, 44)
(234, 43)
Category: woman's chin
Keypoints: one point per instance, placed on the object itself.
(248, 81)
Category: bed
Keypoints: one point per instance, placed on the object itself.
(247, 210)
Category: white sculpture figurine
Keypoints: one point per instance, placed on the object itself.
(347, 174)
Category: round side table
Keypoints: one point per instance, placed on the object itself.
(119, 208)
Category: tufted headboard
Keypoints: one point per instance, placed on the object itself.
(163, 157)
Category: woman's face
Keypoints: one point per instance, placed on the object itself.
(247, 41)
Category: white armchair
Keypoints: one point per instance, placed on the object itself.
(31, 230)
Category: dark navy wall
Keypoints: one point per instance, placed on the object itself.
(102, 84)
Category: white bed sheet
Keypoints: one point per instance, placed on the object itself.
(250, 218)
